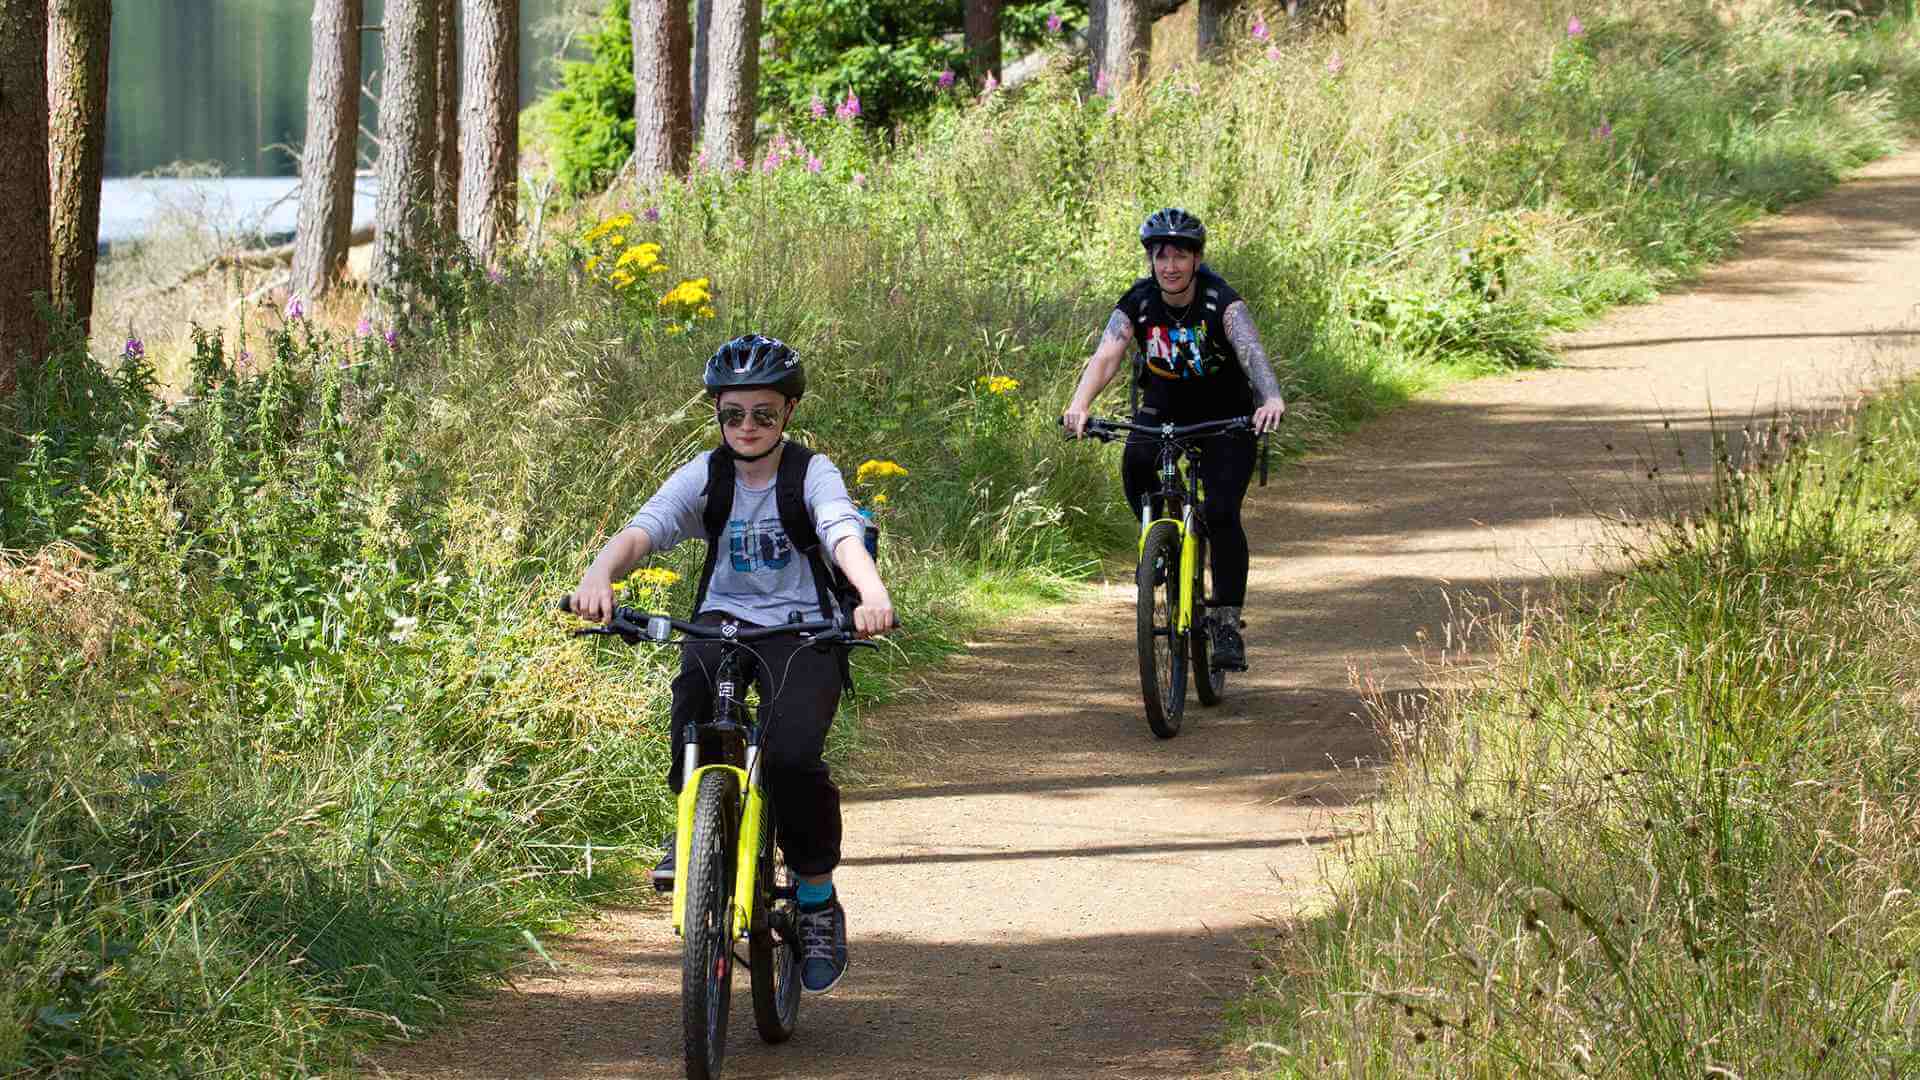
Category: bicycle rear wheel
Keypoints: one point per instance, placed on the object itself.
(706, 965)
(773, 958)
(1163, 653)
(1209, 682)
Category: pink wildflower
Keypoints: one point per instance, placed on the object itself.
(135, 349)
(1274, 53)
(818, 108)
(1053, 23)
(813, 164)
(1605, 130)
(1100, 82)
(990, 85)
(364, 329)
(1260, 31)
(1335, 65)
(295, 309)
(850, 108)
(1574, 29)
(859, 179)
(651, 213)
(739, 163)
(946, 78)
(392, 338)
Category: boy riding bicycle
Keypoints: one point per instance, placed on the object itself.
(1198, 358)
(774, 569)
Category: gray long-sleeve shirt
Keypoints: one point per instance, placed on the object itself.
(760, 577)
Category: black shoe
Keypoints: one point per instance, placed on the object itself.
(663, 870)
(823, 947)
(1229, 652)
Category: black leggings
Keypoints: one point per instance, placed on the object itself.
(802, 789)
(1226, 467)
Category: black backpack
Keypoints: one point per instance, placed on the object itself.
(836, 594)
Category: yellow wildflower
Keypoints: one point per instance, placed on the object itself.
(621, 278)
(619, 240)
(870, 471)
(692, 293)
(644, 255)
(880, 499)
(658, 576)
(612, 224)
(592, 262)
(705, 312)
(999, 384)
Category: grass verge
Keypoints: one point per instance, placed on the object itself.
(1672, 832)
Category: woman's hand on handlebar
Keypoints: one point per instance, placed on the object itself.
(1268, 416)
(1075, 421)
(593, 600)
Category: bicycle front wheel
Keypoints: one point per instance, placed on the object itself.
(773, 954)
(1163, 659)
(706, 966)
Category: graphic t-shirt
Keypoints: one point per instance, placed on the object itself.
(1188, 370)
(759, 576)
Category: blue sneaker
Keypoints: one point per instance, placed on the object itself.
(823, 947)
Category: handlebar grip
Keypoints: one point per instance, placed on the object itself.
(566, 604)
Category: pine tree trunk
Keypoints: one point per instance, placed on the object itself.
(733, 83)
(1096, 44)
(983, 37)
(446, 123)
(25, 210)
(702, 26)
(404, 208)
(490, 128)
(1319, 14)
(77, 41)
(662, 110)
(1128, 41)
(1210, 24)
(327, 161)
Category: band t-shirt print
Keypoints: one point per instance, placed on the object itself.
(1189, 371)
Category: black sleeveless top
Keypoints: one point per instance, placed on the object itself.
(1186, 368)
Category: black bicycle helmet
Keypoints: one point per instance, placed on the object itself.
(750, 362)
(1173, 225)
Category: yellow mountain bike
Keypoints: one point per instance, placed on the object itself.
(733, 885)
(1173, 625)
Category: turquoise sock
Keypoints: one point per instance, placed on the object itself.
(813, 896)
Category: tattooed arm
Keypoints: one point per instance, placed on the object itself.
(1253, 358)
(1101, 366)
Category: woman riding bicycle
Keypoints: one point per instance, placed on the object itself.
(1198, 358)
(765, 577)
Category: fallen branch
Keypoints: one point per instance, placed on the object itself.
(244, 259)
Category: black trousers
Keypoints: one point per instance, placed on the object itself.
(1226, 468)
(799, 693)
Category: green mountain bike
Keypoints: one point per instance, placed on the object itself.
(1173, 622)
(733, 886)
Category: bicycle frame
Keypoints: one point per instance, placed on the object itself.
(753, 803)
(1170, 487)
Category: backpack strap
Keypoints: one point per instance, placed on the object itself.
(790, 496)
(719, 496)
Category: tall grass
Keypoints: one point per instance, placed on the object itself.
(1673, 833)
(292, 747)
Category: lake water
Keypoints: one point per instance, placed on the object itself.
(244, 206)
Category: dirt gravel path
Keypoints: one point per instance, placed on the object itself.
(1052, 892)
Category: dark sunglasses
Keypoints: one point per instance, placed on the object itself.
(734, 415)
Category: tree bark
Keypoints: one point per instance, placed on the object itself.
(446, 122)
(702, 26)
(403, 210)
(1128, 41)
(662, 106)
(1096, 44)
(77, 41)
(1319, 14)
(1209, 24)
(490, 128)
(733, 83)
(25, 186)
(327, 160)
(982, 24)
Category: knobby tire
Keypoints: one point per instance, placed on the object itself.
(773, 960)
(1209, 684)
(1163, 660)
(706, 968)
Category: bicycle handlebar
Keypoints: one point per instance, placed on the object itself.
(1107, 430)
(634, 625)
